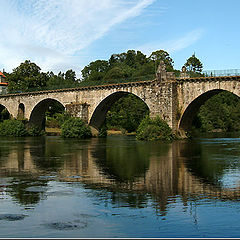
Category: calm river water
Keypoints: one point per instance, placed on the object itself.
(119, 187)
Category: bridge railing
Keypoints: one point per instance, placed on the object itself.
(221, 73)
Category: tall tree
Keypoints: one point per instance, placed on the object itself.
(95, 70)
(193, 64)
(161, 55)
(70, 76)
(27, 75)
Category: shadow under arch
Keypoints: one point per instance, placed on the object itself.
(37, 117)
(100, 112)
(186, 121)
(4, 113)
(21, 111)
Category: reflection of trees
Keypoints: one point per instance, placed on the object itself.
(46, 154)
(165, 171)
(203, 160)
(122, 162)
(19, 189)
(23, 154)
(5, 149)
(130, 165)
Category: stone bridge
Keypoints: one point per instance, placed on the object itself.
(176, 100)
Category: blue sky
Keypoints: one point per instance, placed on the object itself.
(68, 34)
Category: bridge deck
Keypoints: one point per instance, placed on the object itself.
(126, 84)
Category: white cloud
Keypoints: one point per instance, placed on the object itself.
(51, 32)
(175, 45)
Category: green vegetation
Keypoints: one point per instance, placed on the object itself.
(27, 77)
(12, 127)
(4, 114)
(193, 64)
(16, 128)
(34, 131)
(126, 113)
(130, 65)
(151, 129)
(124, 67)
(219, 113)
(55, 115)
(75, 128)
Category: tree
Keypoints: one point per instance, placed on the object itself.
(220, 112)
(126, 113)
(27, 69)
(193, 64)
(115, 73)
(131, 58)
(27, 75)
(117, 59)
(62, 79)
(70, 76)
(95, 70)
(161, 55)
(141, 58)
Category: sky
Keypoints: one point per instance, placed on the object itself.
(59, 35)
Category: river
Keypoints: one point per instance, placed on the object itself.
(119, 187)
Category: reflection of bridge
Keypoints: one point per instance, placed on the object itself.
(175, 100)
(166, 177)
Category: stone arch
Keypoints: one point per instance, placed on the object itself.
(7, 115)
(186, 120)
(21, 111)
(37, 117)
(100, 112)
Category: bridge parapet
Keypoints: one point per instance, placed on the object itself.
(221, 73)
(208, 79)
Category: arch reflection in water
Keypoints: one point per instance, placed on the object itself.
(120, 168)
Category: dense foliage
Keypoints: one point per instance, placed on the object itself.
(219, 113)
(75, 128)
(131, 64)
(34, 131)
(12, 127)
(55, 115)
(126, 113)
(28, 76)
(193, 64)
(151, 129)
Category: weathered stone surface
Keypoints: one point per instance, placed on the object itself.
(79, 110)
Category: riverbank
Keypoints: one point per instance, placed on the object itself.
(57, 132)
(53, 131)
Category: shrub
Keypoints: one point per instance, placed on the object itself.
(35, 131)
(151, 129)
(12, 127)
(103, 132)
(62, 117)
(52, 123)
(75, 128)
